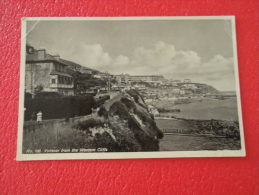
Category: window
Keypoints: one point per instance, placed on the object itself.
(53, 80)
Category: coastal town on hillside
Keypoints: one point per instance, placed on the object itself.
(50, 73)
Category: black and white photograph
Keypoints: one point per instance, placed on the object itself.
(129, 87)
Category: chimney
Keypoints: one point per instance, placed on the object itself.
(41, 54)
(56, 57)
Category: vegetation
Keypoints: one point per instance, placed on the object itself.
(126, 127)
(46, 94)
(117, 108)
(102, 112)
(202, 88)
(89, 123)
(145, 136)
(38, 88)
(59, 107)
(55, 136)
(85, 81)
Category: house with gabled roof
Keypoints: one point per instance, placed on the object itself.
(47, 71)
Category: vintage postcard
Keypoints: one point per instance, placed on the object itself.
(129, 87)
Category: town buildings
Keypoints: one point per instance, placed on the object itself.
(151, 79)
(47, 71)
(103, 75)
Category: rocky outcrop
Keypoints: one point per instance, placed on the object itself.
(126, 127)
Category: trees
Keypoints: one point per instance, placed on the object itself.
(85, 81)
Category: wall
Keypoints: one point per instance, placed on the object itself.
(40, 75)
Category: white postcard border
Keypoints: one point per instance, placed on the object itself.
(125, 155)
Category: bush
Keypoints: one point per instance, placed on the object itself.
(59, 107)
(45, 94)
(117, 108)
(103, 112)
(27, 95)
(89, 123)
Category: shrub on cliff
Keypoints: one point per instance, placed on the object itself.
(125, 138)
(102, 112)
(134, 127)
(117, 108)
(105, 141)
(89, 123)
(148, 119)
(147, 143)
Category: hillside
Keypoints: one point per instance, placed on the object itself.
(207, 89)
(202, 88)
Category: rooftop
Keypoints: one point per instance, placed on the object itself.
(33, 57)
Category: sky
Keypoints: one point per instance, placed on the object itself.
(200, 50)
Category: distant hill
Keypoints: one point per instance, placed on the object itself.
(208, 89)
(203, 88)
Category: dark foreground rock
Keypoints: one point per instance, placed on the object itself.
(126, 127)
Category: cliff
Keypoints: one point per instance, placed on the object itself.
(202, 88)
(126, 127)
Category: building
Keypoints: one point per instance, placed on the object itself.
(119, 87)
(176, 91)
(188, 92)
(175, 83)
(182, 92)
(187, 81)
(128, 79)
(86, 71)
(140, 87)
(189, 86)
(123, 79)
(152, 79)
(48, 71)
(103, 75)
